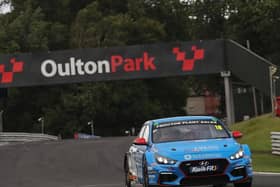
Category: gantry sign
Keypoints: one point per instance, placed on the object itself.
(224, 57)
(134, 62)
(117, 63)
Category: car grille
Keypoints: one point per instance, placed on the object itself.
(167, 177)
(204, 167)
(197, 181)
(239, 172)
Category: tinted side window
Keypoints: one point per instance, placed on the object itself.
(141, 133)
(146, 133)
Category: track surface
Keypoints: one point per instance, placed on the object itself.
(88, 163)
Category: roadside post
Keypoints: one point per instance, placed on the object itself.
(272, 80)
(42, 120)
(1, 121)
(91, 126)
(228, 97)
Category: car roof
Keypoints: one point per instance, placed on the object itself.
(182, 118)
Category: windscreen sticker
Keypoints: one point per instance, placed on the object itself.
(215, 119)
(219, 127)
(156, 123)
(188, 122)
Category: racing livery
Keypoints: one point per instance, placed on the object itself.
(187, 151)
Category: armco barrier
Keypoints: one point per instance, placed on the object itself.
(275, 140)
(25, 137)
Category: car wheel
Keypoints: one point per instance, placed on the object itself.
(127, 176)
(145, 174)
(245, 184)
(220, 185)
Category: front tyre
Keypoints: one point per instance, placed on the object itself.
(245, 184)
(220, 185)
(145, 173)
(127, 180)
(127, 175)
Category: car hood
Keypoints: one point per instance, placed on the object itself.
(198, 149)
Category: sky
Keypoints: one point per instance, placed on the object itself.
(5, 8)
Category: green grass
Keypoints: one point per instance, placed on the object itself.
(266, 162)
(256, 133)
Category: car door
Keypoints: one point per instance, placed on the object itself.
(140, 151)
(134, 154)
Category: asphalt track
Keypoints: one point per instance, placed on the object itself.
(72, 163)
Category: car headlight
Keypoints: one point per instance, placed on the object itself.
(163, 160)
(239, 154)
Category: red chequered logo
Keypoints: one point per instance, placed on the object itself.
(188, 64)
(8, 76)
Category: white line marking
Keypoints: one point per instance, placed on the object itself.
(3, 144)
(267, 173)
(97, 185)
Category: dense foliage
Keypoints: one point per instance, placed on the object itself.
(36, 25)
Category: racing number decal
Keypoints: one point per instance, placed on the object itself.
(219, 127)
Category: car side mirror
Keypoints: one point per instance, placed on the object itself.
(140, 141)
(237, 134)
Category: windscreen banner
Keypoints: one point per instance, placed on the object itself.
(116, 63)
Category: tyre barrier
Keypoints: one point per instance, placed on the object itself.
(15, 137)
(275, 140)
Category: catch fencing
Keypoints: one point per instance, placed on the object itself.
(275, 140)
(12, 137)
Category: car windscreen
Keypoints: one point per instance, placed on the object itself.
(188, 130)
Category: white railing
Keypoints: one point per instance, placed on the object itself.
(25, 137)
(275, 140)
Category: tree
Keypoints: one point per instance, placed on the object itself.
(24, 32)
(35, 25)
(256, 21)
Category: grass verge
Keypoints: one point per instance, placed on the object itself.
(257, 135)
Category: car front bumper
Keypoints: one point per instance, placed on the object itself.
(230, 171)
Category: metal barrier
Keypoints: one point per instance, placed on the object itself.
(275, 140)
(25, 137)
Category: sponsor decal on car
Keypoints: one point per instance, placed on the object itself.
(187, 157)
(205, 148)
(206, 155)
(201, 169)
(188, 122)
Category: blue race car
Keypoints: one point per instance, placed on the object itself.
(187, 151)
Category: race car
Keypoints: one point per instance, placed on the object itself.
(187, 151)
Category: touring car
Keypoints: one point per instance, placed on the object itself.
(187, 151)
